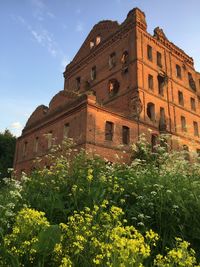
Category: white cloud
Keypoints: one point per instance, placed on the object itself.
(42, 37)
(16, 125)
(16, 128)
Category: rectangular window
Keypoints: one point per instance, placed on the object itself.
(193, 104)
(180, 98)
(159, 59)
(125, 135)
(78, 83)
(154, 140)
(36, 144)
(24, 151)
(161, 84)
(109, 131)
(149, 53)
(66, 130)
(49, 140)
(178, 71)
(183, 124)
(112, 60)
(191, 82)
(196, 128)
(93, 73)
(150, 81)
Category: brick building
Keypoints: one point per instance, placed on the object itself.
(122, 82)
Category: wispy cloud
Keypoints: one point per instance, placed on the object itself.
(42, 37)
(40, 10)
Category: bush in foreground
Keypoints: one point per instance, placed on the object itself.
(85, 212)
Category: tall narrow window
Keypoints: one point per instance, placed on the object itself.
(178, 71)
(66, 130)
(193, 104)
(98, 40)
(78, 83)
(180, 98)
(154, 139)
(191, 82)
(162, 121)
(24, 151)
(150, 81)
(112, 60)
(109, 131)
(183, 124)
(186, 152)
(151, 111)
(49, 140)
(161, 84)
(149, 53)
(91, 44)
(124, 58)
(93, 73)
(196, 128)
(125, 135)
(159, 59)
(36, 144)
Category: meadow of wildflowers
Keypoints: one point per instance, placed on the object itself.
(83, 211)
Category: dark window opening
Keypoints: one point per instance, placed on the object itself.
(36, 144)
(125, 135)
(191, 82)
(161, 84)
(112, 60)
(151, 111)
(198, 152)
(93, 73)
(193, 104)
(183, 124)
(78, 83)
(186, 152)
(159, 59)
(180, 98)
(124, 58)
(109, 131)
(154, 140)
(113, 87)
(149, 53)
(196, 128)
(178, 71)
(24, 152)
(162, 122)
(150, 81)
(66, 130)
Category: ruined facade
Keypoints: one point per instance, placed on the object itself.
(122, 82)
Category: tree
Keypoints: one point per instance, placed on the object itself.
(7, 151)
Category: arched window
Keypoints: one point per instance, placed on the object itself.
(98, 39)
(124, 58)
(113, 87)
(151, 111)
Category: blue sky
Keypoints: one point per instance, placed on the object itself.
(39, 37)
